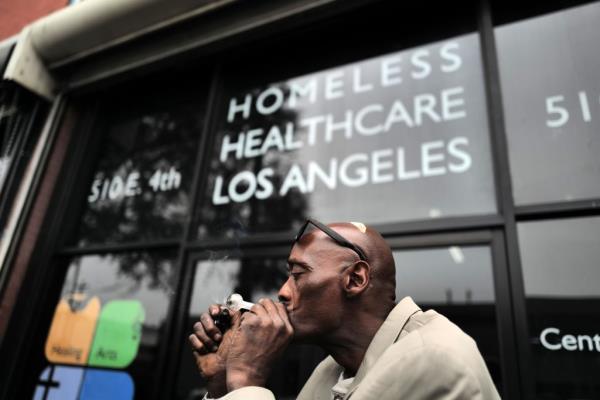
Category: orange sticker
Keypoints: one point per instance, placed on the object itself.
(71, 333)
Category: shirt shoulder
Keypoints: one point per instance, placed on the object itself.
(437, 349)
(419, 372)
(432, 330)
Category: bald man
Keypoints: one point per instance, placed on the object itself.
(340, 295)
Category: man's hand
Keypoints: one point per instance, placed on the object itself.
(210, 347)
(258, 340)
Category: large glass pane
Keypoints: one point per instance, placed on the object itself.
(254, 278)
(403, 136)
(458, 283)
(140, 188)
(107, 328)
(550, 72)
(562, 276)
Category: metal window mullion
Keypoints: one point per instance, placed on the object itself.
(170, 355)
(118, 247)
(513, 297)
(578, 208)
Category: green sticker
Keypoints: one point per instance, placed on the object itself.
(118, 334)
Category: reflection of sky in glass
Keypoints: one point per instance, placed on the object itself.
(453, 275)
(561, 258)
(553, 57)
(99, 276)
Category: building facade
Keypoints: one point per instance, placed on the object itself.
(156, 159)
(15, 15)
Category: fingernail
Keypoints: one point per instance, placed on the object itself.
(215, 348)
(218, 337)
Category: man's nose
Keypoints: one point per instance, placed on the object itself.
(284, 294)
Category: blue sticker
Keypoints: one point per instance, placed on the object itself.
(76, 383)
(60, 383)
(101, 385)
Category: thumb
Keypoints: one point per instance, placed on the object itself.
(236, 319)
(230, 334)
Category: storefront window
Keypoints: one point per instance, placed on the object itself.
(550, 74)
(253, 278)
(376, 141)
(140, 188)
(458, 283)
(561, 275)
(107, 328)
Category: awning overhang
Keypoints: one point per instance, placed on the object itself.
(87, 28)
(97, 39)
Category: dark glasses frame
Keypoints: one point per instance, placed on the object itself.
(339, 239)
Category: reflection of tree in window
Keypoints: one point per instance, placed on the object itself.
(145, 277)
(130, 271)
(255, 215)
(153, 268)
(143, 144)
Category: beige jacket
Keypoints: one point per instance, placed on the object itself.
(415, 355)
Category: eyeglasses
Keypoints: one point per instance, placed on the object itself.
(339, 239)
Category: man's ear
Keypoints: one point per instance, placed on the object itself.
(357, 278)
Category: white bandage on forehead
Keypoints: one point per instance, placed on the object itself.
(360, 226)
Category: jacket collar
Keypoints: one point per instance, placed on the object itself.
(387, 334)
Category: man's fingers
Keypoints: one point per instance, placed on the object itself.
(271, 309)
(278, 315)
(200, 332)
(259, 310)
(236, 317)
(275, 308)
(284, 317)
(211, 329)
(214, 309)
(197, 345)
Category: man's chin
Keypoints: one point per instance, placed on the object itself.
(305, 336)
(303, 333)
(299, 333)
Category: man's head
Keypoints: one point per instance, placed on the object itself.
(337, 272)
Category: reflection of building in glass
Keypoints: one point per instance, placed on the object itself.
(153, 168)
